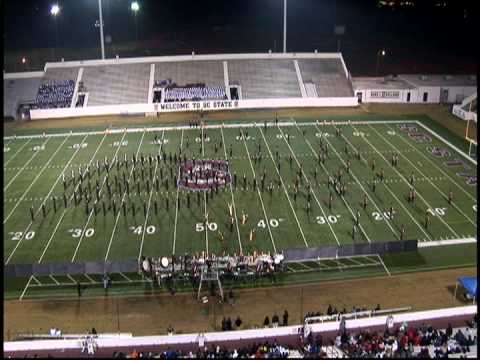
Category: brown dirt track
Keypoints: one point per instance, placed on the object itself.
(153, 314)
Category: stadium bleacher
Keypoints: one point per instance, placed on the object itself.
(16, 91)
(55, 94)
(195, 93)
(328, 75)
(117, 84)
(208, 72)
(264, 79)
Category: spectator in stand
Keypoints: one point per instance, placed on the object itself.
(285, 318)
(275, 320)
(238, 322)
(329, 310)
(170, 330)
(266, 322)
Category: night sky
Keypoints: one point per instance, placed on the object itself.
(166, 27)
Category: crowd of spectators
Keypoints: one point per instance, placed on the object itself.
(407, 341)
(55, 94)
(195, 93)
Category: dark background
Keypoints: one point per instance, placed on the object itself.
(425, 38)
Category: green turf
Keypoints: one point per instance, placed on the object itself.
(73, 234)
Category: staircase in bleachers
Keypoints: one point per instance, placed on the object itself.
(264, 79)
(117, 84)
(328, 75)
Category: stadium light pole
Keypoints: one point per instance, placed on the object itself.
(284, 26)
(134, 6)
(54, 11)
(381, 53)
(102, 45)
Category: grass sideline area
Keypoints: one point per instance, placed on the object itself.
(277, 221)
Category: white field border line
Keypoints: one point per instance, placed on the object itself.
(150, 201)
(435, 243)
(233, 197)
(54, 280)
(392, 193)
(185, 127)
(428, 179)
(437, 167)
(25, 289)
(36, 280)
(341, 196)
(176, 203)
(14, 155)
(34, 180)
(447, 142)
(205, 198)
(384, 266)
(44, 200)
(284, 188)
(65, 210)
(267, 220)
(311, 188)
(403, 178)
(123, 199)
(35, 153)
(82, 235)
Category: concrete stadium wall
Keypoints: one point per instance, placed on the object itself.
(136, 109)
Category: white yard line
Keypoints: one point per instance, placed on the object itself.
(65, 210)
(54, 280)
(89, 278)
(267, 220)
(34, 180)
(176, 203)
(35, 153)
(341, 196)
(428, 179)
(123, 199)
(82, 235)
(405, 180)
(205, 199)
(231, 193)
(125, 277)
(73, 280)
(384, 266)
(26, 287)
(43, 202)
(438, 168)
(149, 201)
(14, 155)
(36, 280)
(284, 188)
(311, 188)
(396, 198)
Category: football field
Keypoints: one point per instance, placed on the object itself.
(113, 195)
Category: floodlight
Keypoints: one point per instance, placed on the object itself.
(134, 6)
(24, 60)
(383, 52)
(54, 10)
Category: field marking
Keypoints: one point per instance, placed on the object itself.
(341, 196)
(428, 179)
(26, 287)
(90, 279)
(54, 280)
(398, 200)
(36, 280)
(125, 277)
(73, 280)
(123, 199)
(311, 188)
(150, 200)
(446, 142)
(65, 210)
(284, 188)
(231, 193)
(438, 168)
(267, 220)
(176, 203)
(35, 153)
(16, 152)
(186, 127)
(82, 235)
(384, 266)
(405, 180)
(43, 202)
(205, 214)
(34, 180)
